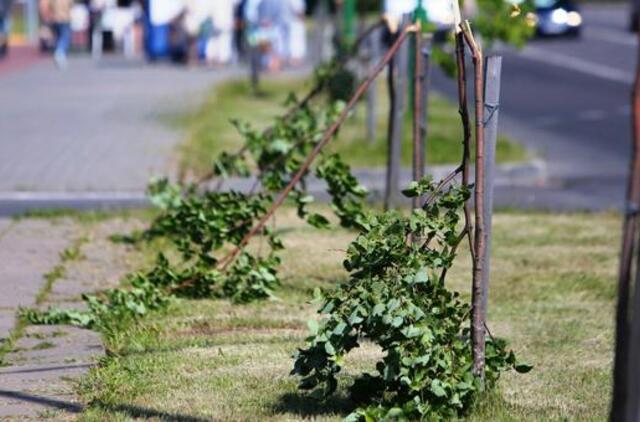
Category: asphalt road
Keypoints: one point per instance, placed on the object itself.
(568, 100)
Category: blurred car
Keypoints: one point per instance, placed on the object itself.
(555, 17)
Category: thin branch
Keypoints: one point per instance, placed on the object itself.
(441, 185)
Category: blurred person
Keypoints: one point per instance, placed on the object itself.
(439, 13)
(266, 26)
(296, 33)
(160, 18)
(195, 22)
(5, 27)
(394, 10)
(220, 48)
(57, 14)
(239, 39)
(96, 11)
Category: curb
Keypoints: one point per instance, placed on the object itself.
(529, 174)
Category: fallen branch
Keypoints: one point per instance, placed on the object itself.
(325, 140)
(313, 92)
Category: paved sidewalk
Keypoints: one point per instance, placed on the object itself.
(47, 360)
(28, 250)
(20, 58)
(102, 126)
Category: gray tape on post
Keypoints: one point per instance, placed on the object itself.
(489, 111)
(632, 209)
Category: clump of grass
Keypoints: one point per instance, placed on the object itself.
(43, 345)
(209, 359)
(8, 345)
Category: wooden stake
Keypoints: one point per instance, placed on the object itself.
(397, 96)
(477, 322)
(418, 140)
(621, 369)
(372, 92)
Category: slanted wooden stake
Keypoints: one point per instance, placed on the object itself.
(326, 137)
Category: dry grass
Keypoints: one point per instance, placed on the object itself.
(552, 297)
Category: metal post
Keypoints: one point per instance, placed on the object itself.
(320, 18)
(493, 74)
(255, 57)
(348, 23)
(397, 93)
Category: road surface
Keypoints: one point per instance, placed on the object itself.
(568, 100)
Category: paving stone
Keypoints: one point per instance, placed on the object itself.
(28, 250)
(47, 359)
(94, 127)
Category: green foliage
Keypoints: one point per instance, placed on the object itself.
(163, 194)
(202, 225)
(496, 21)
(500, 20)
(110, 307)
(342, 85)
(346, 192)
(396, 298)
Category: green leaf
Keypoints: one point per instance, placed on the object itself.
(523, 368)
(379, 309)
(437, 389)
(340, 328)
(411, 331)
(397, 321)
(328, 347)
(421, 277)
(412, 190)
(313, 326)
(318, 221)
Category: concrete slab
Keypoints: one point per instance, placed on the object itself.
(47, 359)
